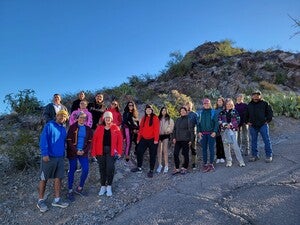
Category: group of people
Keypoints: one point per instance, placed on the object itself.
(104, 134)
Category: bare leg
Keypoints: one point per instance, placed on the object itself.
(159, 152)
(42, 188)
(57, 187)
(165, 151)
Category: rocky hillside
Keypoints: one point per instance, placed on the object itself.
(219, 68)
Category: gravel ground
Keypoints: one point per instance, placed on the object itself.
(194, 198)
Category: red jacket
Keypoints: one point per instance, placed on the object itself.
(116, 140)
(148, 132)
(117, 117)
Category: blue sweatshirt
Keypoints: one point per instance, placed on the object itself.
(52, 141)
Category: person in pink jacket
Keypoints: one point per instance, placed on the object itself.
(82, 108)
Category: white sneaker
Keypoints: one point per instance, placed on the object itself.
(222, 160)
(218, 161)
(242, 164)
(108, 191)
(229, 164)
(102, 190)
(166, 169)
(158, 170)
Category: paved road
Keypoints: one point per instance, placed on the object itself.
(260, 193)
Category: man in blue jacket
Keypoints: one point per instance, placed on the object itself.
(258, 114)
(52, 145)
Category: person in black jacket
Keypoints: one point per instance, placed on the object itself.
(258, 114)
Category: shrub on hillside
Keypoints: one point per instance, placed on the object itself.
(24, 102)
(24, 153)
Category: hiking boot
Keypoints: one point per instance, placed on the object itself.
(108, 191)
(150, 174)
(176, 171)
(183, 170)
(102, 190)
(80, 192)
(166, 169)
(71, 196)
(60, 204)
(228, 164)
(253, 158)
(158, 170)
(136, 170)
(269, 159)
(42, 206)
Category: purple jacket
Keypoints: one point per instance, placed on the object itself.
(241, 108)
(74, 115)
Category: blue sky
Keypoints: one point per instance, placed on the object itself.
(65, 46)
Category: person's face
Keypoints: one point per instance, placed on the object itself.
(148, 111)
(163, 112)
(183, 112)
(57, 99)
(130, 106)
(206, 105)
(81, 95)
(81, 119)
(61, 119)
(256, 97)
(83, 105)
(189, 106)
(99, 98)
(220, 102)
(108, 120)
(114, 104)
(239, 99)
(229, 105)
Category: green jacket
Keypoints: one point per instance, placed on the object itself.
(207, 122)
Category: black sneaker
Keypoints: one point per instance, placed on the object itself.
(150, 174)
(136, 170)
(253, 159)
(71, 197)
(80, 192)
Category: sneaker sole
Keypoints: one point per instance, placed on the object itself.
(41, 210)
(61, 206)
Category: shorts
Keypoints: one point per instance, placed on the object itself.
(164, 136)
(54, 168)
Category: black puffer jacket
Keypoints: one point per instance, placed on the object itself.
(259, 113)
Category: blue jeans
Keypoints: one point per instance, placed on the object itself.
(84, 162)
(264, 131)
(208, 141)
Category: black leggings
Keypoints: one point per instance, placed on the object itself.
(106, 164)
(184, 145)
(142, 147)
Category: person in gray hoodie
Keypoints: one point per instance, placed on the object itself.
(183, 135)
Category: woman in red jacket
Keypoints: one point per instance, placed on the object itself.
(107, 145)
(148, 137)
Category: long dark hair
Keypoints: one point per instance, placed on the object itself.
(151, 116)
(134, 111)
(167, 116)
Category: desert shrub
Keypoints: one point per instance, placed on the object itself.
(270, 67)
(268, 86)
(280, 77)
(24, 102)
(284, 104)
(24, 153)
(224, 49)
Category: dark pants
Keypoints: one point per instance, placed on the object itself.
(219, 148)
(184, 145)
(142, 147)
(106, 167)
